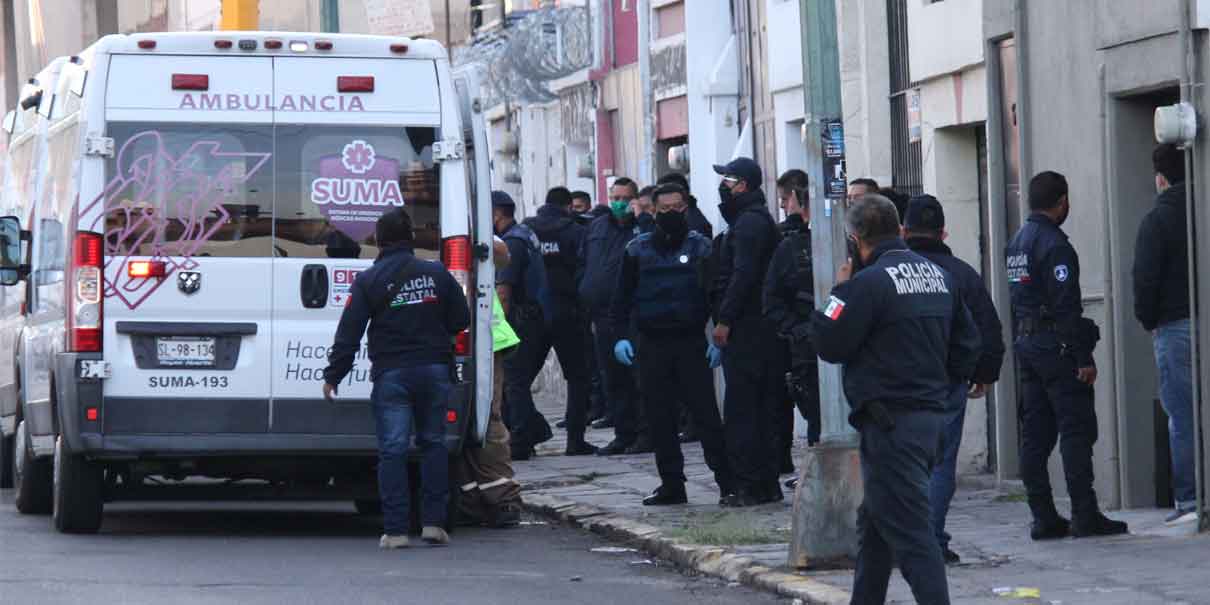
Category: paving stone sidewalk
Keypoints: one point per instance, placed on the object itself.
(1155, 564)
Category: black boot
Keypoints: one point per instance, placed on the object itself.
(1092, 524)
(667, 494)
(1048, 524)
(579, 447)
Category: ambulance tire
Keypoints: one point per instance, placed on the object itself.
(6, 461)
(31, 476)
(78, 489)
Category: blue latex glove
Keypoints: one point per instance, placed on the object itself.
(624, 352)
(714, 355)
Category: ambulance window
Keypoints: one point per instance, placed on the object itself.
(182, 190)
(333, 182)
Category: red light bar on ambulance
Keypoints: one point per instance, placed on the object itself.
(323, 45)
(190, 82)
(146, 268)
(146, 44)
(355, 83)
(399, 48)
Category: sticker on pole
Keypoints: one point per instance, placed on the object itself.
(355, 187)
(834, 309)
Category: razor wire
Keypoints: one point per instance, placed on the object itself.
(520, 59)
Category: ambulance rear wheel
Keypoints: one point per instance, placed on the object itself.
(31, 476)
(6, 461)
(78, 487)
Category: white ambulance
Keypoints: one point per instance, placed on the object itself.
(203, 203)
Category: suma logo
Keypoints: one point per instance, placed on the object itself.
(357, 157)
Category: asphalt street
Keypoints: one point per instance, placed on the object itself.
(297, 553)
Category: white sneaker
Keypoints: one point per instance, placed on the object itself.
(435, 536)
(1181, 515)
(392, 542)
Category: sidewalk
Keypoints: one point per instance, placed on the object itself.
(1155, 564)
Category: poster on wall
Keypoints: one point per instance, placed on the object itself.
(399, 17)
(834, 179)
(914, 120)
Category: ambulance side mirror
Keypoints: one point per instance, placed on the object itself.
(11, 236)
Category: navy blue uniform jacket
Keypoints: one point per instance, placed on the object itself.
(978, 301)
(1044, 282)
(901, 331)
(416, 328)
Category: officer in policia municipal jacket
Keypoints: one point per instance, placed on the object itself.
(414, 309)
(904, 337)
(1054, 344)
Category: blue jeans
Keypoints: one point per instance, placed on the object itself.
(1173, 357)
(404, 399)
(944, 482)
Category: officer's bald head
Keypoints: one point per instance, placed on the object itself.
(873, 219)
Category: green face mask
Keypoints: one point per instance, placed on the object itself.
(619, 208)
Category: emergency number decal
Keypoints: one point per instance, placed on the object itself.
(834, 309)
(342, 286)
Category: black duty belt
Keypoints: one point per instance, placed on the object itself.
(1031, 325)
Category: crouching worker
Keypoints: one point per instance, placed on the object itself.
(488, 495)
(414, 309)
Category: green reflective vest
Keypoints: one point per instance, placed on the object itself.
(503, 336)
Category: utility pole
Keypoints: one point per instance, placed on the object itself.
(829, 488)
(329, 16)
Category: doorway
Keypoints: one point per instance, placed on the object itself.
(1144, 461)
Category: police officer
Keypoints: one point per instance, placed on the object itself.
(697, 221)
(752, 360)
(414, 309)
(789, 301)
(662, 284)
(524, 294)
(604, 247)
(561, 239)
(924, 231)
(1054, 349)
(903, 335)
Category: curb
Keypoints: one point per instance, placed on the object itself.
(713, 561)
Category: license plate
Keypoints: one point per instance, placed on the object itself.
(185, 351)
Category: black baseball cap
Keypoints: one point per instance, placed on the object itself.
(501, 199)
(924, 213)
(743, 168)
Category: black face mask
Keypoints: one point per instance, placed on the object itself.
(724, 193)
(672, 224)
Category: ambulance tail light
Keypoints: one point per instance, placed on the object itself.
(84, 298)
(190, 82)
(146, 44)
(456, 256)
(399, 48)
(355, 83)
(146, 268)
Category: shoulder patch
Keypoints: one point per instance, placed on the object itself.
(834, 309)
(1061, 272)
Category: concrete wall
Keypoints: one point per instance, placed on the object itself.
(861, 29)
(1098, 134)
(943, 37)
(711, 59)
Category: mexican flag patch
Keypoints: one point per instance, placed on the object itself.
(834, 309)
